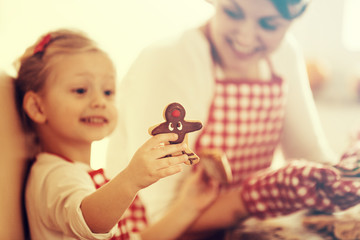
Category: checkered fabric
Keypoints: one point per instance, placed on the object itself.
(298, 185)
(291, 188)
(134, 219)
(245, 121)
(344, 193)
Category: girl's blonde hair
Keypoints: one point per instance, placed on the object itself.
(34, 65)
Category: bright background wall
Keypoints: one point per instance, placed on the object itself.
(124, 27)
(121, 27)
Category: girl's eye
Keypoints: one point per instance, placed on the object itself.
(234, 14)
(80, 90)
(265, 24)
(109, 92)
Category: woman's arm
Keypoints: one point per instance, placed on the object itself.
(173, 224)
(195, 196)
(225, 212)
(303, 136)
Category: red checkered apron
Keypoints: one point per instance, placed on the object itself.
(134, 219)
(245, 121)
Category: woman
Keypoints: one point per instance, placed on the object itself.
(242, 75)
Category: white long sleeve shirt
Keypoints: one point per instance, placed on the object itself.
(54, 192)
(181, 70)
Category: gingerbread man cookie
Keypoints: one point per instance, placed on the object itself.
(174, 115)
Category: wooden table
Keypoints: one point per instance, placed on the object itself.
(282, 228)
(302, 225)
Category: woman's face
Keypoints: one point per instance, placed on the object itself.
(244, 31)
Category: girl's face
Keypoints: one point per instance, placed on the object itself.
(78, 98)
(244, 31)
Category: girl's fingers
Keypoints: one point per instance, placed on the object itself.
(168, 162)
(160, 139)
(169, 149)
(165, 172)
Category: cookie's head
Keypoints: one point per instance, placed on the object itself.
(174, 115)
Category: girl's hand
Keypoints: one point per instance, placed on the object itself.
(198, 191)
(154, 160)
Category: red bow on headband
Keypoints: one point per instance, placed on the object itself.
(40, 47)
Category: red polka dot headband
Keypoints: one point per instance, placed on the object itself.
(41, 46)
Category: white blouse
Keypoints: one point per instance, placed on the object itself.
(181, 70)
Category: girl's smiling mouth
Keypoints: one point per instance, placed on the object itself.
(94, 120)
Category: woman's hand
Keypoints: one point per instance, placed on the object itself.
(349, 163)
(298, 185)
(156, 159)
(195, 195)
(288, 189)
(198, 191)
(345, 193)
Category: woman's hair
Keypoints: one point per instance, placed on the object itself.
(34, 66)
(290, 9)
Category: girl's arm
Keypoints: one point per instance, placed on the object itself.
(104, 208)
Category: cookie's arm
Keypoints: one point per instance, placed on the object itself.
(151, 129)
(157, 129)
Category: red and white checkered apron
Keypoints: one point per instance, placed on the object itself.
(134, 219)
(245, 121)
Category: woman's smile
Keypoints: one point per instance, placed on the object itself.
(241, 50)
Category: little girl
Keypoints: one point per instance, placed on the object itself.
(65, 93)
